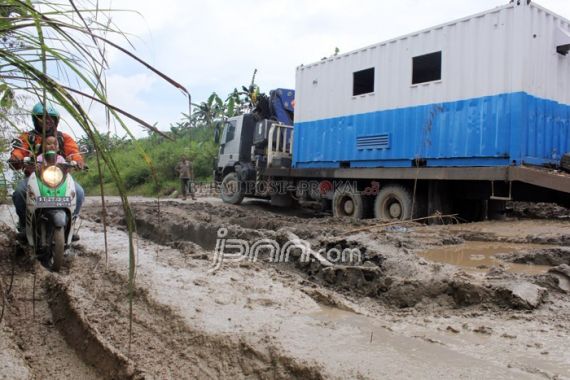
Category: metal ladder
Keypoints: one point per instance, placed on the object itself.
(499, 198)
(280, 145)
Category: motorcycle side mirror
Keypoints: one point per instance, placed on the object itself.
(19, 144)
(16, 144)
(84, 149)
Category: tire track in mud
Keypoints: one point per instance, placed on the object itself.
(80, 330)
(199, 222)
(28, 318)
(88, 342)
(163, 345)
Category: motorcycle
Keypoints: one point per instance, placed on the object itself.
(50, 205)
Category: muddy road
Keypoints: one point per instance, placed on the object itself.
(254, 292)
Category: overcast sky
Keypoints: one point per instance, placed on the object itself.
(215, 45)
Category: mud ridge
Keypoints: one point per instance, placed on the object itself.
(561, 240)
(546, 256)
(64, 303)
(165, 346)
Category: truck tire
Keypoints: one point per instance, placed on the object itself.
(348, 203)
(565, 162)
(393, 202)
(231, 190)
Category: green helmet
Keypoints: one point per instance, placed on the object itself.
(38, 110)
(38, 114)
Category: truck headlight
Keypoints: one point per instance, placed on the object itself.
(52, 176)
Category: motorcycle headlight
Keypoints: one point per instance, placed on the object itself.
(52, 176)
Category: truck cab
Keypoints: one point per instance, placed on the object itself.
(251, 143)
(235, 144)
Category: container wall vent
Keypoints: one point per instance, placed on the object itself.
(373, 142)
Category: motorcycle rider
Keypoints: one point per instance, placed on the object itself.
(45, 120)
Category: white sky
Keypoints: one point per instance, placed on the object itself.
(215, 45)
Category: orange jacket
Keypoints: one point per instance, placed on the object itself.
(69, 150)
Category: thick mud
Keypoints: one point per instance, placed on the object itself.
(365, 299)
(40, 351)
(391, 263)
(161, 344)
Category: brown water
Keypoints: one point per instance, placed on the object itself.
(480, 256)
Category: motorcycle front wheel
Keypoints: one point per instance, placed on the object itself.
(58, 248)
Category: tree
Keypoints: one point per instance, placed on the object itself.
(208, 112)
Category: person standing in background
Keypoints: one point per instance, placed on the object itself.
(186, 175)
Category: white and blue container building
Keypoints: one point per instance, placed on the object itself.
(459, 118)
(492, 89)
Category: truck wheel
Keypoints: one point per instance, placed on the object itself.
(347, 203)
(393, 202)
(231, 190)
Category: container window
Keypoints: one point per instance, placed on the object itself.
(363, 81)
(426, 68)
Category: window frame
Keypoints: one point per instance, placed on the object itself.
(439, 79)
(373, 82)
(229, 131)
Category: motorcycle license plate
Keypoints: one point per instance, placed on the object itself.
(46, 202)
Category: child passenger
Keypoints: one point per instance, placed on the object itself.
(50, 156)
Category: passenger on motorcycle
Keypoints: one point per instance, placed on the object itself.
(50, 157)
(45, 124)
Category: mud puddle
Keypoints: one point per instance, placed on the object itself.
(481, 256)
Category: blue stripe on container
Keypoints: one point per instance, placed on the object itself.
(487, 131)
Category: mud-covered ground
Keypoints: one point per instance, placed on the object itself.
(219, 295)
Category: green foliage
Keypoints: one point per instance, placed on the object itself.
(206, 113)
(106, 141)
(196, 143)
